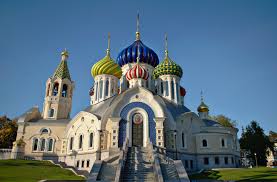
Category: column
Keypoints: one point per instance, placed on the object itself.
(110, 87)
(169, 87)
(104, 88)
(175, 90)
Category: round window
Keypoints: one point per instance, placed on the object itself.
(137, 118)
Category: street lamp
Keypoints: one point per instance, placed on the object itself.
(99, 146)
(175, 135)
(175, 141)
(256, 159)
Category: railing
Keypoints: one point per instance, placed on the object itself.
(156, 163)
(180, 169)
(122, 160)
(5, 153)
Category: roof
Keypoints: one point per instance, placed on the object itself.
(62, 70)
(100, 109)
(48, 122)
(175, 109)
(209, 122)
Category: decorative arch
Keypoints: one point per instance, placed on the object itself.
(123, 122)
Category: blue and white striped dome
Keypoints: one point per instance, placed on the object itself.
(129, 55)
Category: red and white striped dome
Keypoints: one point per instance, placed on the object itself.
(137, 72)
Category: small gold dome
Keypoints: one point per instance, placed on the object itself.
(203, 107)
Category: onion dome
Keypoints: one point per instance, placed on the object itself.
(137, 72)
(130, 53)
(167, 67)
(183, 91)
(106, 65)
(202, 107)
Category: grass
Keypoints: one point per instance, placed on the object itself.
(29, 171)
(240, 174)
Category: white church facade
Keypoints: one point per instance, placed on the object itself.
(136, 97)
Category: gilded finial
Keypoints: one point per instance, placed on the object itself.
(137, 32)
(202, 98)
(64, 55)
(166, 50)
(109, 43)
(138, 54)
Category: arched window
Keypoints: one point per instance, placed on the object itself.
(107, 88)
(35, 144)
(56, 89)
(80, 141)
(166, 88)
(42, 145)
(204, 143)
(71, 143)
(50, 144)
(162, 87)
(44, 131)
(101, 89)
(128, 84)
(51, 112)
(172, 90)
(64, 91)
(91, 140)
(183, 140)
(222, 142)
(96, 90)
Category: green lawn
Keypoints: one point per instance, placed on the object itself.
(28, 171)
(241, 174)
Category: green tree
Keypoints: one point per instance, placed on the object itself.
(8, 131)
(254, 140)
(225, 121)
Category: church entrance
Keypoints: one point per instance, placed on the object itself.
(137, 130)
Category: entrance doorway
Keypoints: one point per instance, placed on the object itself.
(137, 130)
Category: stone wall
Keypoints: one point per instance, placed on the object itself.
(5, 154)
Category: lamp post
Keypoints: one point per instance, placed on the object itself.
(256, 159)
(175, 141)
(175, 135)
(99, 147)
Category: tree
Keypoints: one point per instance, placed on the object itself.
(8, 131)
(254, 140)
(225, 121)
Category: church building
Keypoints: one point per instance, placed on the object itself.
(137, 97)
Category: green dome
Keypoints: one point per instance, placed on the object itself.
(167, 67)
(106, 66)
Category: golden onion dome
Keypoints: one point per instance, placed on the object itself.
(203, 107)
(106, 66)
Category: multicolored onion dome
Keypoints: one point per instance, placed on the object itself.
(203, 107)
(168, 67)
(106, 66)
(129, 54)
(137, 72)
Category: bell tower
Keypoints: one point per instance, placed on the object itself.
(58, 93)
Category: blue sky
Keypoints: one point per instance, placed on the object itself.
(226, 48)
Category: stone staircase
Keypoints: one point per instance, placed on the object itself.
(138, 165)
(169, 170)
